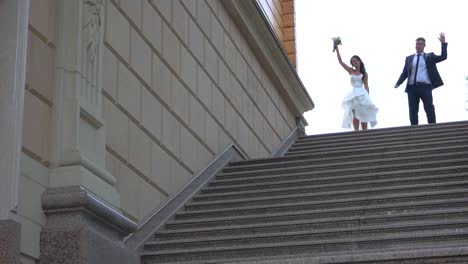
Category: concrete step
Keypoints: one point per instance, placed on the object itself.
(305, 179)
(383, 138)
(442, 254)
(400, 148)
(325, 170)
(220, 226)
(395, 136)
(388, 132)
(376, 147)
(332, 203)
(315, 186)
(395, 151)
(349, 231)
(382, 209)
(326, 195)
(416, 239)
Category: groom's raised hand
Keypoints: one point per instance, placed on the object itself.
(442, 37)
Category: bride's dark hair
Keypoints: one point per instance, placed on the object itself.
(362, 69)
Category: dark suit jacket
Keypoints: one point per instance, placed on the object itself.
(431, 60)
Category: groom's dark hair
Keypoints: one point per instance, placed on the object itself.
(422, 39)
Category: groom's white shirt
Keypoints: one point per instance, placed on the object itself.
(422, 76)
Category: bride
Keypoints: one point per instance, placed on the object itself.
(357, 104)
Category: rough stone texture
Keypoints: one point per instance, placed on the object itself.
(82, 229)
(9, 242)
(76, 200)
(81, 245)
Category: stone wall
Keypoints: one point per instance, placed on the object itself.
(180, 84)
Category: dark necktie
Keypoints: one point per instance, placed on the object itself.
(416, 70)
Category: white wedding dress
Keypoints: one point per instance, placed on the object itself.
(358, 100)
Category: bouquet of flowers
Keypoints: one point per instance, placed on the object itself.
(336, 42)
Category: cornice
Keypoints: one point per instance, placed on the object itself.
(255, 27)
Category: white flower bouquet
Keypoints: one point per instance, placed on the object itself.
(336, 42)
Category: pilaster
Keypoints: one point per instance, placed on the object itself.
(13, 25)
(82, 204)
(78, 156)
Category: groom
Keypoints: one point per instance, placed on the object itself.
(423, 77)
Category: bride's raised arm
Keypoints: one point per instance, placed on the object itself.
(346, 67)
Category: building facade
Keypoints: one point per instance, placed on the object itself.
(110, 107)
(280, 14)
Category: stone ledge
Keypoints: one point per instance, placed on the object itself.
(284, 146)
(156, 220)
(76, 198)
(80, 226)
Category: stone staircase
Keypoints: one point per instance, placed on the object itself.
(395, 195)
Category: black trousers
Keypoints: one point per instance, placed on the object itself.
(423, 92)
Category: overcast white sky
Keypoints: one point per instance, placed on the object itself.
(382, 33)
